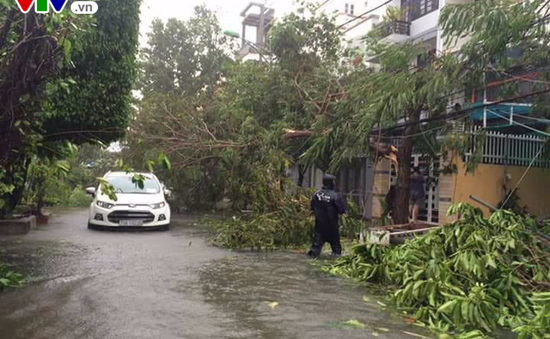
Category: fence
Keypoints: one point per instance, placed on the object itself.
(394, 27)
(510, 149)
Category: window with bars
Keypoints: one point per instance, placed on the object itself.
(349, 8)
(415, 9)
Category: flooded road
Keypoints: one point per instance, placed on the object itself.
(91, 284)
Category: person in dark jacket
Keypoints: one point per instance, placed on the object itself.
(327, 205)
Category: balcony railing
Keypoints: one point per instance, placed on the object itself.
(395, 27)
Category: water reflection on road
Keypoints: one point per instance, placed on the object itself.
(89, 284)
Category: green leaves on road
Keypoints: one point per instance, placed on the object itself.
(474, 274)
(9, 278)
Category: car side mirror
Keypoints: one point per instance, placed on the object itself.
(91, 191)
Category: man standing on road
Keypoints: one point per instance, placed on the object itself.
(327, 205)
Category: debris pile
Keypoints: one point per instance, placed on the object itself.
(473, 275)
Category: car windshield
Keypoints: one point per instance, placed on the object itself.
(124, 185)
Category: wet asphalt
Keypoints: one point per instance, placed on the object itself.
(163, 285)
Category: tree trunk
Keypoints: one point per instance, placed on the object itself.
(301, 175)
(400, 213)
(401, 209)
(26, 67)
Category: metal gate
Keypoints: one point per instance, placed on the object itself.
(430, 169)
(429, 213)
(355, 182)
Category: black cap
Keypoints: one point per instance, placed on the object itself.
(328, 181)
(329, 177)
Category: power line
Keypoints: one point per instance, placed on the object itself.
(423, 133)
(460, 113)
(355, 26)
(523, 78)
(357, 17)
(453, 94)
(487, 86)
(324, 4)
(491, 85)
(362, 15)
(533, 118)
(519, 124)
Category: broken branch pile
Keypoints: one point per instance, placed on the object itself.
(474, 274)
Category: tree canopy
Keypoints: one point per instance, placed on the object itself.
(96, 104)
(221, 121)
(63, 77)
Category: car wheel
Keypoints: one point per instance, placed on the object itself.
(165, 228)
(90, 226)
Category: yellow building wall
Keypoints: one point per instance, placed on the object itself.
(487, 182)
(446, 189)
(382, 183)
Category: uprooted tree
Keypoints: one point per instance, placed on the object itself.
(221, 121)
(231, 128)
(386, 103)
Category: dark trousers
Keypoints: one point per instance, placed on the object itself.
(321, 237)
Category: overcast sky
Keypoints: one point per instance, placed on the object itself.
(228, 11)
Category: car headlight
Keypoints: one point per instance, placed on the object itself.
(157, 206)
(104, 204)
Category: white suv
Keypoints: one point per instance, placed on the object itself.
(135, 207)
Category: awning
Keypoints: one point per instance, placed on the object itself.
(507, 109)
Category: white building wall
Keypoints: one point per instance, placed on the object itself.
(423, 28)
(426, 23)
(427, 27)
(356, 30)
(251, 56)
